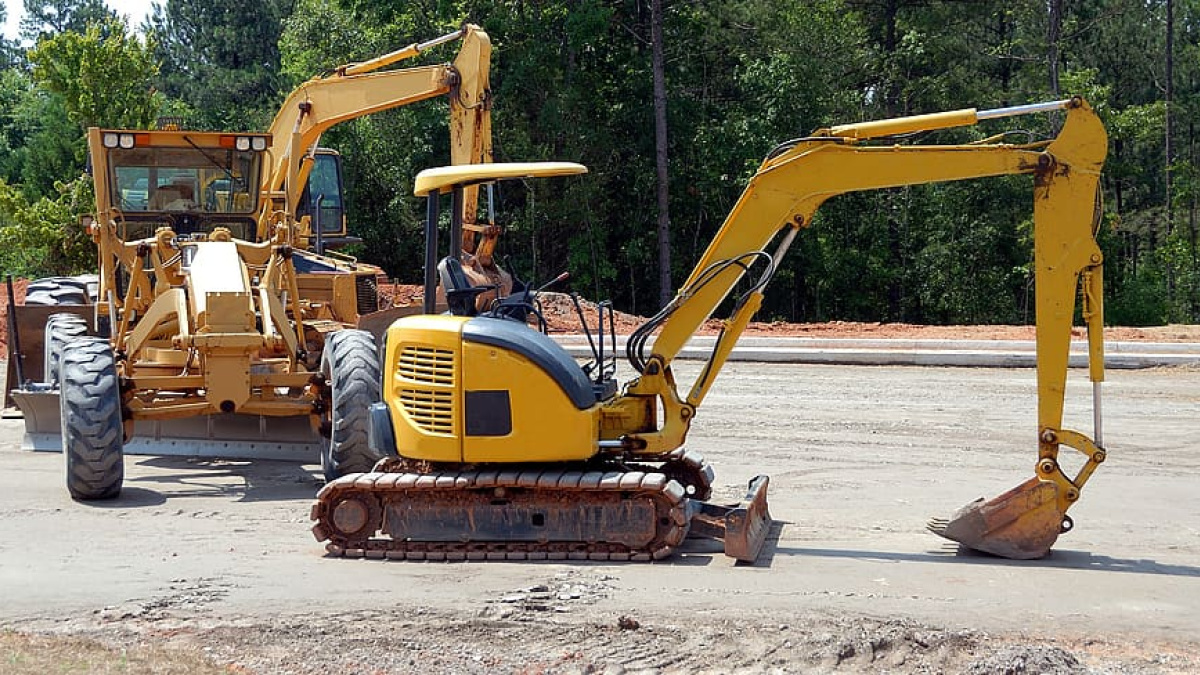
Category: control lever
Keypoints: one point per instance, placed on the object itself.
(521, 304)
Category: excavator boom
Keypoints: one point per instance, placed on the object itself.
(359, 89)
(797, 178)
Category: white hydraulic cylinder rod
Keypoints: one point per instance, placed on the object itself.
(440, 40)
(1029, 109)
(398, 55)
(1097, 417)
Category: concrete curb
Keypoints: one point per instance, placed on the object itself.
(901, 352)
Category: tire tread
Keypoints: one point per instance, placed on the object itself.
(351, 365)
(92, 428)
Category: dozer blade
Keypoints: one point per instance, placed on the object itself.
(743, 528)
(1021, 524)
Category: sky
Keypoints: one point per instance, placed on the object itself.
(135, 10)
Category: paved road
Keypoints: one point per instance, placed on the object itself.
(860, 458)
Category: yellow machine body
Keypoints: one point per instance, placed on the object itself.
(456, 399)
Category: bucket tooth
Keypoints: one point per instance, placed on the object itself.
(1021, 524)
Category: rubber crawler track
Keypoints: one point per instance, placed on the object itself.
(668, 496)
(688, 467)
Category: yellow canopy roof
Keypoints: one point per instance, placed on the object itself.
(443, 178)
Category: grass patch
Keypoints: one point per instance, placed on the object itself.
(23, 654)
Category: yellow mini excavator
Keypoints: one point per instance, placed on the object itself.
(502, 447)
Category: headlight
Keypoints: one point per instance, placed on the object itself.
(259, 143)
(110, 139)
(126, 141)
(242, 143)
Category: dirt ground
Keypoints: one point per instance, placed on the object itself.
(213, 559)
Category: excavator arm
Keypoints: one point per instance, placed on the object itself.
(782, 198)
(355, 90)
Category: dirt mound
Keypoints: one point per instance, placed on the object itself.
(1028, 660)
(565, 635)
(562, 317)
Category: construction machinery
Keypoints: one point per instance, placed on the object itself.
(359, 89)
(500, 446)
(213, 323)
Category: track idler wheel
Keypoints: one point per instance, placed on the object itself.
(1021, 524)
(349, 519)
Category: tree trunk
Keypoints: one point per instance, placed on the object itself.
(1168, 95)
(660, 154)
(893, 108)
(1053, 35)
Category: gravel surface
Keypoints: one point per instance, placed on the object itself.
(213, 558)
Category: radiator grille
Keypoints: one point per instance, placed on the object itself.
(427, 388)
(366, 291)
(427, 365)
(431, 410)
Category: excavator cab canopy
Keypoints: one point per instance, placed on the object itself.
(432, 183)
(444, 178)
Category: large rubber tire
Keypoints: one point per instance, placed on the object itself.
(91, 284)
(350, 364)
(61, 330)
(58, 291)
(93, 435)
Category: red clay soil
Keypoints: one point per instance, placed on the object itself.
(561, 316)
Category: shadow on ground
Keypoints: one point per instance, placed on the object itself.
(1060, 559)
(240, 480)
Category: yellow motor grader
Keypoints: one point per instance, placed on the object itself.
(501, 446)
(214, 323)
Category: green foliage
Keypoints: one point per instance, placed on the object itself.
(15, 89)
(102, 75)
(39, 143)
(42, 237)
(46, 18)
(572, 81)
(1140, 301)
(221, 58)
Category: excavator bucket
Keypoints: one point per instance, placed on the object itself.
(743, 528)
(1021, 524)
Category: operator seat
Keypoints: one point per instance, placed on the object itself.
(171, 198)
(460, 294)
